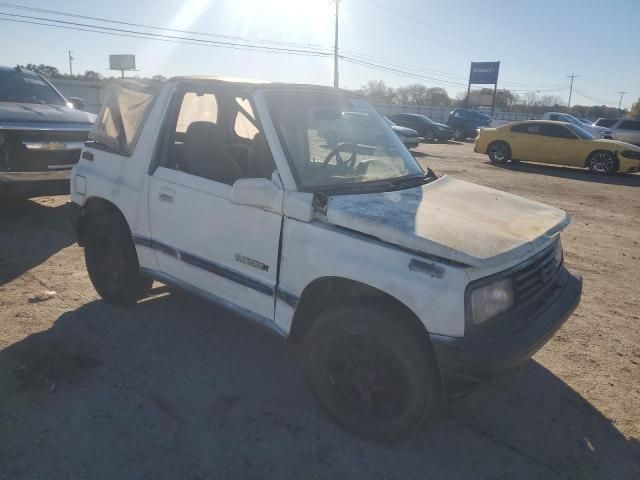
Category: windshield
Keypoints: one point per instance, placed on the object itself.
(24, 88)
(334, 141)
(572, 119)
(581, 132)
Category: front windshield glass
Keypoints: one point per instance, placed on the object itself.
(24, 88)
(335, 141)
(581, 132)
(574, 120)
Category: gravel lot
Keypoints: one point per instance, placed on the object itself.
(177, 388)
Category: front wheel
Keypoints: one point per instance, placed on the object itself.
(112, 262)
(458, 134)
(369, 371)
(499, 152)
(602, 163)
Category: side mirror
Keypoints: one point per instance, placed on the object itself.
(257, 192)
(76, 102)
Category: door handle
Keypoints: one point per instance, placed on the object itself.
(166, 195)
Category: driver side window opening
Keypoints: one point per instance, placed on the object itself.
(215, 135)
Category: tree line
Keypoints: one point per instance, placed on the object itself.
(416, 94)
(507, 101)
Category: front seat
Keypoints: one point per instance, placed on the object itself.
(206, 154)
(261, 164)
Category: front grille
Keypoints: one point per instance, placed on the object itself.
(531, 281)
(16, 157)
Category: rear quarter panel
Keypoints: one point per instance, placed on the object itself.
(123, 180)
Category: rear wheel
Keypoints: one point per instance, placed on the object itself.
(429, 136)
(499, 152)
(369, 371)
(602, 163)
(112, 262)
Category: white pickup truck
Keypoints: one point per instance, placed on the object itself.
(403, 286)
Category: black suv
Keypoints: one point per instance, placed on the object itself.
(41, 134)
(465, 123)
(426, 128)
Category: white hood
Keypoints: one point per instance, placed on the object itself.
(452, 219)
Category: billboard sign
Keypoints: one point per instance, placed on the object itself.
(484, 72)
(122, 62)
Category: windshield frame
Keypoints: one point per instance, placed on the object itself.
(41, 80)
(262, 99)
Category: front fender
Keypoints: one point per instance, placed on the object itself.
(432, 290)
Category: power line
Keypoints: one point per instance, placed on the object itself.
(216, 43)
(153, 27)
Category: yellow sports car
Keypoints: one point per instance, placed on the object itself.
(559, 143)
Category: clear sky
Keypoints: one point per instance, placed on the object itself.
(538, 42)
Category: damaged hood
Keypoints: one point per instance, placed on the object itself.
(452, 219)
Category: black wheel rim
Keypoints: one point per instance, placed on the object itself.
(105, 261)
(602, 162)
(366, 378)
(499, 152)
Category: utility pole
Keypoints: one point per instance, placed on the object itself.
(572, 76)
(336, 83)
(620, 102)
(70, 64)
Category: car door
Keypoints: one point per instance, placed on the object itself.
(559, 145)
(524, 140)
(201, 239)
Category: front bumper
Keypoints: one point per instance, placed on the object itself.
(411, 142)
(466, 362)
(31, 184)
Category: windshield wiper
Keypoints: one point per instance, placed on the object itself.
(413, 180)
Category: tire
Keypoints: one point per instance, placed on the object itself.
(429, 136)
(602, 162)
(369, 371)
(499, 152)
(112, 262)
(332, 138)
(458, 134)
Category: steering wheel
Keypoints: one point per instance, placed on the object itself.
(340, 162)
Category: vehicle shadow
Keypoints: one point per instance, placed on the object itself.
(177, 388)
(25, 243)
(583, 175)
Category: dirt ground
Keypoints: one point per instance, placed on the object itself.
(177, 388)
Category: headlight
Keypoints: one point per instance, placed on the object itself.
(631, 154)
(490, 300)
(558, 254)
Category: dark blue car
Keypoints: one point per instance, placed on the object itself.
(465, 123)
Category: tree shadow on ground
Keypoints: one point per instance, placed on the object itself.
(177, 388)
(580, 174)
(25, 244)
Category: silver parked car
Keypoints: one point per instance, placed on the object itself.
(623, 129)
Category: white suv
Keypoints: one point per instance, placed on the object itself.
(403, 286)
